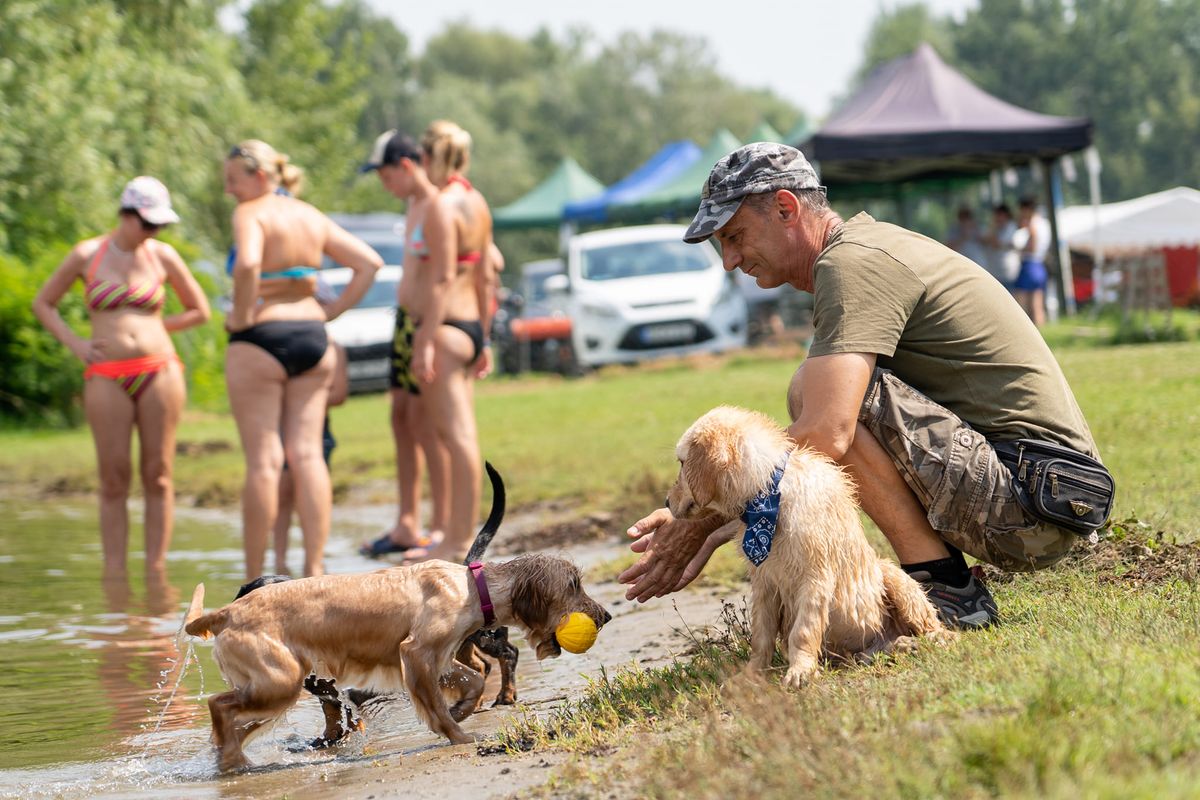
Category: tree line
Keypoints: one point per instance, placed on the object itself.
(93, 92)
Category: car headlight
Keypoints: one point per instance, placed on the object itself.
(599, 309)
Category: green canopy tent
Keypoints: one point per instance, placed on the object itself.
(799, 133)
(763, 132)
(680, 197)
(543, 206)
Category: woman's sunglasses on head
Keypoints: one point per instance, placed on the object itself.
(237, 151)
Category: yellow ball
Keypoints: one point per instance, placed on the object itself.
(576, 633)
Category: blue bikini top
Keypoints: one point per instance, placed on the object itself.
(278, 274)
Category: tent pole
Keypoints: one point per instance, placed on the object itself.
(1065, 288)
(1091, 157)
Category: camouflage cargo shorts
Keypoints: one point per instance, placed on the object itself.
(957, 477)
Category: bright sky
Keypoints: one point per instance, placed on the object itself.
(805, 50)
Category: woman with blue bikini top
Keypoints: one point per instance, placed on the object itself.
(278, 366)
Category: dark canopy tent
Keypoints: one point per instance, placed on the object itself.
(657, 171)
(916, 119)
(543, 205)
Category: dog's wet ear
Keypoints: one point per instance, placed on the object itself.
(530, 600)
(711, 454)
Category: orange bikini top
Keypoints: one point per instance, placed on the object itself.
(110, 295)
(471, 256)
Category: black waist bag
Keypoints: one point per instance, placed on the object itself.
(1058, 485)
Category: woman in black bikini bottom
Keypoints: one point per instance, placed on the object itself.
(298, 345)
(472, 328)
(400, 374)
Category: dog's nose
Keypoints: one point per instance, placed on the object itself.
(607, 617)
(667, 502)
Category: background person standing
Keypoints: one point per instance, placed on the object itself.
(278, 366)
(134, 379)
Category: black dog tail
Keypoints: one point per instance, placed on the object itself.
(488, 531)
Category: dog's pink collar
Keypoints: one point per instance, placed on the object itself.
(485, 599)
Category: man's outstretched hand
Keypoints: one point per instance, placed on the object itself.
(675, 551)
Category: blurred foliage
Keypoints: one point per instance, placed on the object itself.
(93, 92)
(39, 378)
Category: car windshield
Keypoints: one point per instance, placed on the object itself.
(636, 259)
(382, 293)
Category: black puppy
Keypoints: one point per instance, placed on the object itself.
(491, 641)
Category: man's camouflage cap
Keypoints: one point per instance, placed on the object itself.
(751, 169)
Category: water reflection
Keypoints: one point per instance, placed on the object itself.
(139, 665)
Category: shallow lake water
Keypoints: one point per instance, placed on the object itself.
(92, 702)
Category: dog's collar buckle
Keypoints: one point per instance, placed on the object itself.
(485, 598)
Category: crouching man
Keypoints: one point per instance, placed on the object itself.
(925, 380)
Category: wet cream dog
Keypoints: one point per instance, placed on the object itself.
(388, 630)
(815, 581)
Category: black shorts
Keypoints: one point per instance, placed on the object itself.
(400, 371)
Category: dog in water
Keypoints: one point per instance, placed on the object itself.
(381, 632)
(815, 581)
(397, 628)
(344, 714)
(340, 714)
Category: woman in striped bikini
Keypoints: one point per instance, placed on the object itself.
(278, 367)
(133, 377)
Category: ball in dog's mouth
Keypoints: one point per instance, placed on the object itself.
(576, 632)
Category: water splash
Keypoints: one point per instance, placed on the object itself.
(181, 666)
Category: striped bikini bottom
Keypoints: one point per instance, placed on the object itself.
(133, 374)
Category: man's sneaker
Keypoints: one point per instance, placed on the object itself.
(969, 607)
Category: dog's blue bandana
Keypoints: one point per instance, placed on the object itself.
(761, 516)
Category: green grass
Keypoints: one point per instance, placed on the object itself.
(1091, 688)
(1087, 690)
(607, 440)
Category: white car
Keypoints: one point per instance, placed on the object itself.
(642, 292)
(366, 330)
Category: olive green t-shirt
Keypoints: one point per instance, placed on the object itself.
(944, 326)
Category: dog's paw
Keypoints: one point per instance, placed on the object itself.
(904, 644)
(942, 637)
(800, 673)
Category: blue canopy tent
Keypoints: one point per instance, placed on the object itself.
(661, 168)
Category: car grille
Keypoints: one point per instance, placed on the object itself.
(677, 333)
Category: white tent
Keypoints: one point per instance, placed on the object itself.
(1162, 219)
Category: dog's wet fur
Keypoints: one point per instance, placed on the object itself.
(385, 631)
(822, 589)
(343, 712)
(407, 628)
